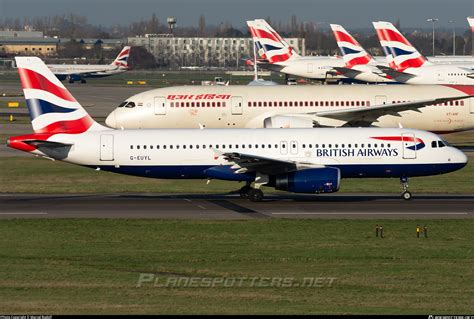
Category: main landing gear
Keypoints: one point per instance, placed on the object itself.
(254, 194)
(406, 195)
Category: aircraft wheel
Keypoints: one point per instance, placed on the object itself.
(83, 81)
(255, 195)
(406, 195)
(244, 191)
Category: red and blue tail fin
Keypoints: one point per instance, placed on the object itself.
(401, 54)
(52, 108)
(470, 20)
(122, 58)
(270, 46)
(352, 52)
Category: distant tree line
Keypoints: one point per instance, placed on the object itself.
(318, 38)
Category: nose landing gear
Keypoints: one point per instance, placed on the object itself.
(406, 195)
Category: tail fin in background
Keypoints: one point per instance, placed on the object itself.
(352, 52)
(122, 58)
(270, 46)
(52, 108)
(470, 20)
(404, 54)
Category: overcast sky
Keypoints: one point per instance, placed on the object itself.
(350, 13)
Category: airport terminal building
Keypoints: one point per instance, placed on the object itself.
(201, 51)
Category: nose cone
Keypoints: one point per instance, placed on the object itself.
(111, 120)
(460, 158)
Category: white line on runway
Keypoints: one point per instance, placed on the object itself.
(370, 213)
(23, 213)
(202, 207)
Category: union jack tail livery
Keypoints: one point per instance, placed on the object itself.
(270, 46)
(470, 20)
(122, 59)
(53, 110)
(352, 52)
(403, 54)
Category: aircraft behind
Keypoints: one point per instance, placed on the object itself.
(309, 161)
(407, 65)
(80, 72)
(437, 108)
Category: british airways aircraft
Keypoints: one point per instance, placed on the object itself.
(360, 65)
(277, 55)
(407, 65)
(294, 160)
(79, 72)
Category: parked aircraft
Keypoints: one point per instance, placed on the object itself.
(407, 65)
(429, 107)
(80, 72)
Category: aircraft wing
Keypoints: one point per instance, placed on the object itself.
(365, 116)
(246, 163)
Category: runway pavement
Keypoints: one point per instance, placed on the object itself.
(340, 206)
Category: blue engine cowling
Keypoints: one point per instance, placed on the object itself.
(314, 180)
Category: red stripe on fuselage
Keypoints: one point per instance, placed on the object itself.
(468, 89)
(33, 80)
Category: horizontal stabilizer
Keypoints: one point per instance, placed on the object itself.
(396, 75)
(350, 73)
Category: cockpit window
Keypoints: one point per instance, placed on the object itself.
(434, 144)
(441, 144)
(130, 104)
(122, 104)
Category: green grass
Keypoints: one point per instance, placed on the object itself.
(36, 175)
(93, 266)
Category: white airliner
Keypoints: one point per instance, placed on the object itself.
(79, 72)
(407, 65)
(294, 160)
(277, 55)
(441, 109)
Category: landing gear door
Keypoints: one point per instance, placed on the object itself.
(409, 146)
(237, 105)
(106, 147)
(160, 105)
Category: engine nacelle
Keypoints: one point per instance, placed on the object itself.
(282, 121)
(314, 180)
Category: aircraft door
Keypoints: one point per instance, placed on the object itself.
(160, 105)
(380, 99)
(106, 147)
(409, 145)
(237, 105)
(310, 67)
(470, 104)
